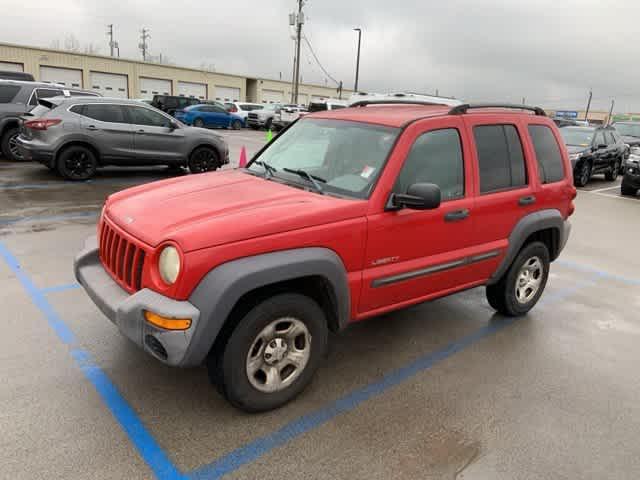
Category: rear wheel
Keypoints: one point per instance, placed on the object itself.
(236, 125)
(612, 173)
(582, 174)
(272, 353)
(77, 163)
(521, 286)
(269, 124)
(10, 146)
(627, 190)
(198, 122)
(203, 159)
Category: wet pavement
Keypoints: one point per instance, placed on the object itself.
(443, 390)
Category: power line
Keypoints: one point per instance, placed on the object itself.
(318, 61)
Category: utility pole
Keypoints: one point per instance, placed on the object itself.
(359, 30)
(613, 102)
(299, 21)
(110, 33)
(586, 113)
(524, 101)
(143, 46)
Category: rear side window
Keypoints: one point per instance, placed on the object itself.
(79, 109)
(104, 113)
(500, 158)
(435, 157)
(548, 154)
(8, 93)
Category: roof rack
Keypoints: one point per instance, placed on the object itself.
(461, 109)
(364, 103)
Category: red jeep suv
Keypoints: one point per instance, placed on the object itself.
(345, 215)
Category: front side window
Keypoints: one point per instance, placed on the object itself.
(599, 140)
(435, 157)
(104, 112)
(147, 117)
(548, 154)
(628, 129)
(500, 158)
(346, 157)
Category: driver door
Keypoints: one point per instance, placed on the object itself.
(412, 255)
(155, 141)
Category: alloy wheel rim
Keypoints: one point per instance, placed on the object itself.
(202, 161)
(77, 164)
(278, 355)
(529, 280)
(585, 173)
(13, 146)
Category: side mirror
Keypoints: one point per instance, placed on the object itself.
(173, 125)
(419, 196)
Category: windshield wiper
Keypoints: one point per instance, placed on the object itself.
(267, 168)
(312, 178)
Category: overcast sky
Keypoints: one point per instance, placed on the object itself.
(549, 51)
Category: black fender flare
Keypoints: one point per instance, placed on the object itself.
(219, 291)
(526, 226)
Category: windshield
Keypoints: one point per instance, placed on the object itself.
(346, 156)
(578, 137)
(628, 129)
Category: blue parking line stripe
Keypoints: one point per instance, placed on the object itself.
(59, 288)
(65, 184)
(48, 218)
(130, 423)
(597, 271)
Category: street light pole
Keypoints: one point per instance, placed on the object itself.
(359, 30)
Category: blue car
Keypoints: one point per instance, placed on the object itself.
(208, 116)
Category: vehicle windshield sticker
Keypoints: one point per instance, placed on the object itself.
(367, 171)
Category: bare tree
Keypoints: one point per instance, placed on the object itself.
(91, 49)
(208, 67)
(71, 43)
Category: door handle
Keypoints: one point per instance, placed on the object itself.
(140, 131)
(92, 127)
(528, 200)
(457, 215)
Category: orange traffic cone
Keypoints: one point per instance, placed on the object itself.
(243, 158)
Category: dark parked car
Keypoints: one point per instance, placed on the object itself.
(77, 135)
(209, 116)
(25, 77)
(594, 150)
(18, 98)
(629, 131)
(172, 103)
(631, 179)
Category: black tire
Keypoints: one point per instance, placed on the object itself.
(9, 148)
(236, 125)
(626, 190)
(582, 174)
(198, 122)
(612, 174)
(269, 124)
(77, 163)
(228, 370)
(254, 127)
(502, 295)
(203, 159)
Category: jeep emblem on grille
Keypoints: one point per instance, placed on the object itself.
(128, 220)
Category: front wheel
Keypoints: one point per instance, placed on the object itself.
(77, 163)
(203, 159)
(272, 353)
(236, 125)
(198, 123)
(612, 173)
(582, 174)
(521, 286)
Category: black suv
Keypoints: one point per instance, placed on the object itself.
(171, 103)
(594, 150)
(17, 99)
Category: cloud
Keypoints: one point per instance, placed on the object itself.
(551, 52)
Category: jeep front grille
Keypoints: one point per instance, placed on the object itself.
(121, 257)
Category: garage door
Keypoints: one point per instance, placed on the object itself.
(154, 86)
(11, 67)
(272, 96)
(109, 84)
(68, 77)
(227, 94)
(190, 89)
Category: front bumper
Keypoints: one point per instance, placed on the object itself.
(31, 152)
(256, 122)
(631, 177)
(126, 310)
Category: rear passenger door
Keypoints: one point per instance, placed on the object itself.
(107, 127)
(505, 190)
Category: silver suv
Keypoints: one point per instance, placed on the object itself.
(18, 98)
(77, 135)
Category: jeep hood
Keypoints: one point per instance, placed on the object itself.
(200, 211)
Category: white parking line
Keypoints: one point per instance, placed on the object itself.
(604, 189)
(608, 195)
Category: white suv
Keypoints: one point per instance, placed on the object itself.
(242, 109)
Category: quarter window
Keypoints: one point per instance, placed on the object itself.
(548, 154)
(435, 157)
(8, 93)
(147, 117)
(104, 112)
(500, 158)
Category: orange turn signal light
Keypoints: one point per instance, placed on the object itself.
(167, 323)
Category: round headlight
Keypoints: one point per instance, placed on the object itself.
(169, 264)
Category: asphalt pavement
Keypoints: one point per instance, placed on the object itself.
(444, 390)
